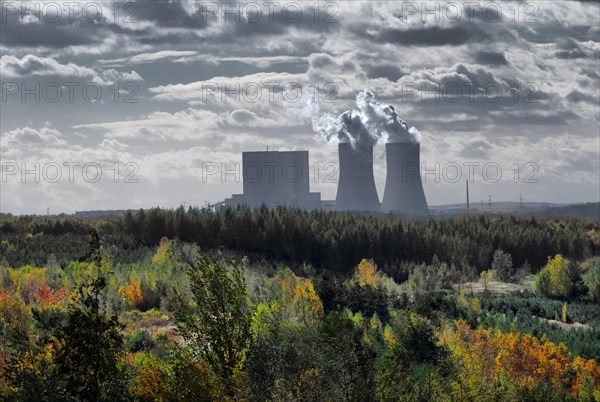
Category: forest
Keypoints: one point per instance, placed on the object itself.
(286, 305)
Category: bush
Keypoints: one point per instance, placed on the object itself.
(140, 340)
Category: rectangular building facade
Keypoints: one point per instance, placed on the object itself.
(275, 178)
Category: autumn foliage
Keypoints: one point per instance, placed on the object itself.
(299, 300)
(492, 362)
(132, 293)
(366, 271)
(279, 318)
(47, 297)
(555, 279)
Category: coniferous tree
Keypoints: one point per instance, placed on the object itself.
(89, 344)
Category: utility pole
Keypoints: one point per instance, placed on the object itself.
(521, 201)
(490, 201)
(467, 181)
(47, 209)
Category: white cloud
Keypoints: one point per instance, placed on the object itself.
(35, 66)
(174, 55)
(31, 65)
(22, 141)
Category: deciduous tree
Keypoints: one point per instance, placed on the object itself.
(218, 325)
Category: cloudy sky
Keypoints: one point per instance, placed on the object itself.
(109, 105)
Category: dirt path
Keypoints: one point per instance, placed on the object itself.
(563, 325)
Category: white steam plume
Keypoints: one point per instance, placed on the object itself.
(383, 121)
(365, 125)
(362, 126)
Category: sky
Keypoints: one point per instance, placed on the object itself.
(126, 105)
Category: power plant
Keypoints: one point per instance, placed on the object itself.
(267, 175)
(403, 187)
(356, 185)
(274, 178)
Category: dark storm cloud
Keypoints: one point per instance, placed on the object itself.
(491, 58)
(152, 38)
(562, 118)
(64, 32)
(576, 96)
(488, 86)
(272, 24)
(571, 54)
(14, 33)
(479, 79)
(430, 36)
(322, 61)
(487, 99)
(171, 14)
(569, 49)
(588, 72)
(555, 32)
(388, 71)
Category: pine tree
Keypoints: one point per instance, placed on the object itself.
(89, 344)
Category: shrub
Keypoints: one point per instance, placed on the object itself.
(139, 340)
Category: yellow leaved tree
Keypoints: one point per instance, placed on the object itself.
(555, 278)
(366, 273)
(299, 300)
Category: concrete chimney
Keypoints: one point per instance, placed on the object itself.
(403, 188)
(356, 186)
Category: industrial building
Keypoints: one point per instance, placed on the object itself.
(274, 178)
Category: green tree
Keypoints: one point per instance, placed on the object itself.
(429, 278)
(89, 344)
(393, 374)
(485, 278)
(218, 325)
(502, 265)
(591, 279)
(191, 380)
(555, 279)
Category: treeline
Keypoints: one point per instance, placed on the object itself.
(338, 241)
(325, 240)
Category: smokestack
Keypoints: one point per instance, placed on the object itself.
(356, 186)
(403, 188)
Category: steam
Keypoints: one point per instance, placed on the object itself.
(365, 125)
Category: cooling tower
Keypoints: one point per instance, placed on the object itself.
(356, 186)
(403, 188)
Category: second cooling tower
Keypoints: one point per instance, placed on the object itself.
(356, 186)
(403, 188)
